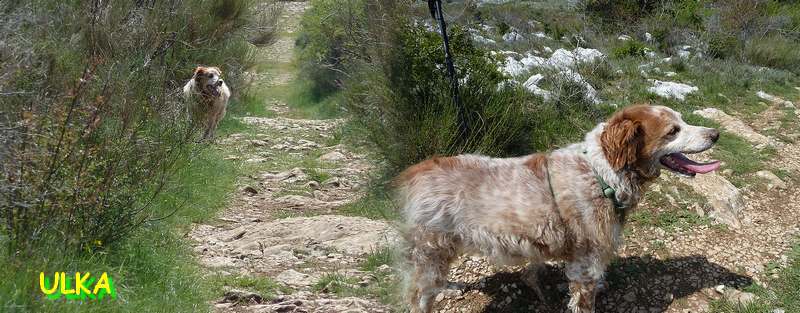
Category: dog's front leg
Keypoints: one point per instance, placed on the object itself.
(585, 274)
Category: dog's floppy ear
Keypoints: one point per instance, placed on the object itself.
(621, 141)
(199, 71)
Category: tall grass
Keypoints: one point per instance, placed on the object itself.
(153, 268)
(774, 51)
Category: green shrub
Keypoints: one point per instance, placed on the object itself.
(723, 45)
(630, 48)
(503, 28)
(396, 88)
(687, 13)
(567, 116)
(404, 100)
(560, 24)
(619, 10)
(678, 64)
(265, 23)
(328, 42)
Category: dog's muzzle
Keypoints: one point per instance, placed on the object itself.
(213, 89)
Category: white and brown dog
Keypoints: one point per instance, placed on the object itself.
(211, 95)
(568, 205)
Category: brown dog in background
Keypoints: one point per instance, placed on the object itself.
(211, 95)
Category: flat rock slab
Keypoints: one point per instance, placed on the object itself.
(266, 246)
(673, 90)
(736, 126)
(725, 199)
(294, 278)
(773, 180)
(775, 100)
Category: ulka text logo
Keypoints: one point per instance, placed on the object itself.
(83, 287)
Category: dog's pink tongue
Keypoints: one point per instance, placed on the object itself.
(693, 166)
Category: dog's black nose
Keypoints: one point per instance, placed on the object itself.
(714, 135)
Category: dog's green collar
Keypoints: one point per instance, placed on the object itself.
(608, 191)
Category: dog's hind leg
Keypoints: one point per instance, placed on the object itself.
(431, 254)
(531, 278)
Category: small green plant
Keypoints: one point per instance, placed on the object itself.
(338, 284)
(503, 28)
(678, 65)
(658, 245)
(317, 175)
(382, 286)
(783, 174)
(630, 48)
(383, 256)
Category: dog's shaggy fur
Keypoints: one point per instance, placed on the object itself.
(210, 95)
(542, 207)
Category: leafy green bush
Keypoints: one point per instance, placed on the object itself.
(396, 88)
(723, 45)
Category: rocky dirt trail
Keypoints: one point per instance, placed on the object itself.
(282, 225)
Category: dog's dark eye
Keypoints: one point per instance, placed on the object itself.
(674, 131)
